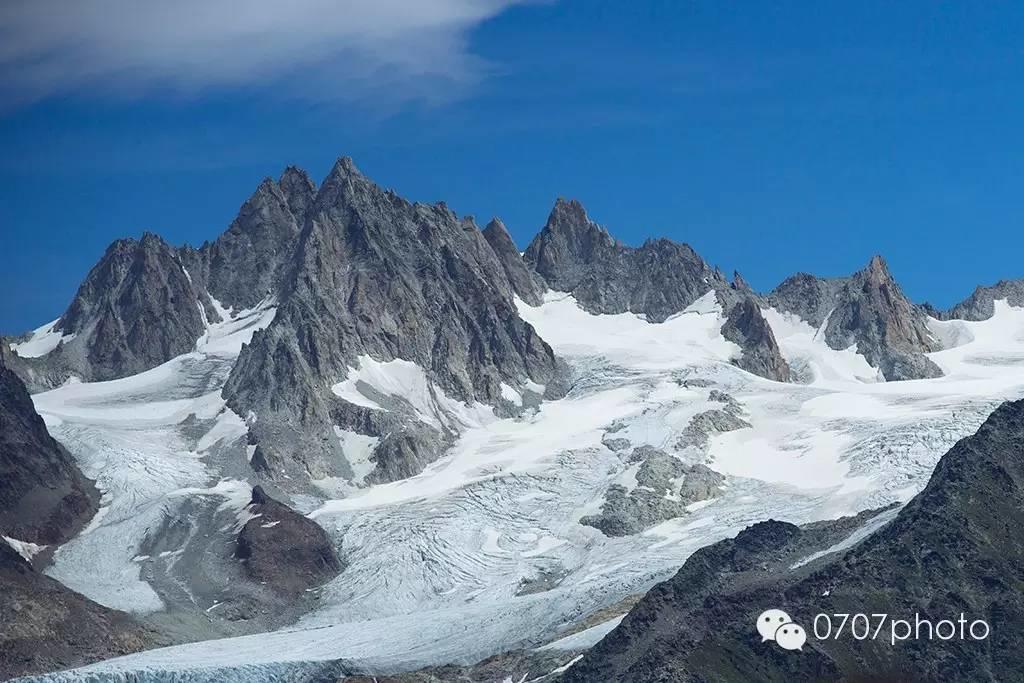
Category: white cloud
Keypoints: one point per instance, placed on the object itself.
(328, 49)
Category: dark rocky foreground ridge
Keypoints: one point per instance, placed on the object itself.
(957, 547)
(47, 627)
(45, 500)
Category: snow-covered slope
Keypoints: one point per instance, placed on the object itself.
(483, 551)
(155, 443)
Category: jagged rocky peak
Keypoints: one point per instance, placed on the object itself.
(378, 279)
(961, 538)
(44, 498)
(250, 260)
(889, 331)
(524, 282)
(299, 190)
(740, 284)
(810, 297)
(658, 279)
(869, 310)
(980, 305)
(135, 309)
(568, 245)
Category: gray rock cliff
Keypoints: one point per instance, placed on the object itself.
(524, 282)
(656, 280)
(136, 309)
(980, 305)
(44, 497)
(377, 276)
(869, 310)
(746, 326)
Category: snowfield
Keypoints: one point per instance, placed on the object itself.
(483, 552)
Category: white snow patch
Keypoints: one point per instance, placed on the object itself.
(853, 539)
(803, 346)
(358, 449)
(536, 388)
(41, 341)
(585, 639)
(24, 548)
(627, 338)
(235, 328)
(402, 379)
(511, 395)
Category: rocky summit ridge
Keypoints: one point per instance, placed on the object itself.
(868, 311)
(358, 274)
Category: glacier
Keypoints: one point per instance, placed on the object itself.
(443, 567)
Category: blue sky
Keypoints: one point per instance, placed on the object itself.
(773, 137)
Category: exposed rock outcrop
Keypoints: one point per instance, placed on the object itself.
(808, 296)
(44, 498)
(523, 280)
(656, 280)
(888, 330)
(283, 550)
(252, 258)
(664, 487)
(957, 547)
(746, 326)
(980, 305)
(868, 310)
(136, 308)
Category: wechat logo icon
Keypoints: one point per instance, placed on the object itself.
(774, 624)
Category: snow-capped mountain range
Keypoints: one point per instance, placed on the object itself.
(356, 434)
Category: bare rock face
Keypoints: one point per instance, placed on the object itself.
(867, 309)
(658, 279)
(146, 302)
(980, 305)
(137, 308)
(664, 487)
(810, 297)
(888, 330)
(282, 549)
(252, 258)
(378, 276)
(524, 282)
(746, 326)
(957, 547)
(44, 498)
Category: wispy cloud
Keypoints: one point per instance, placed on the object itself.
(398, 50)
